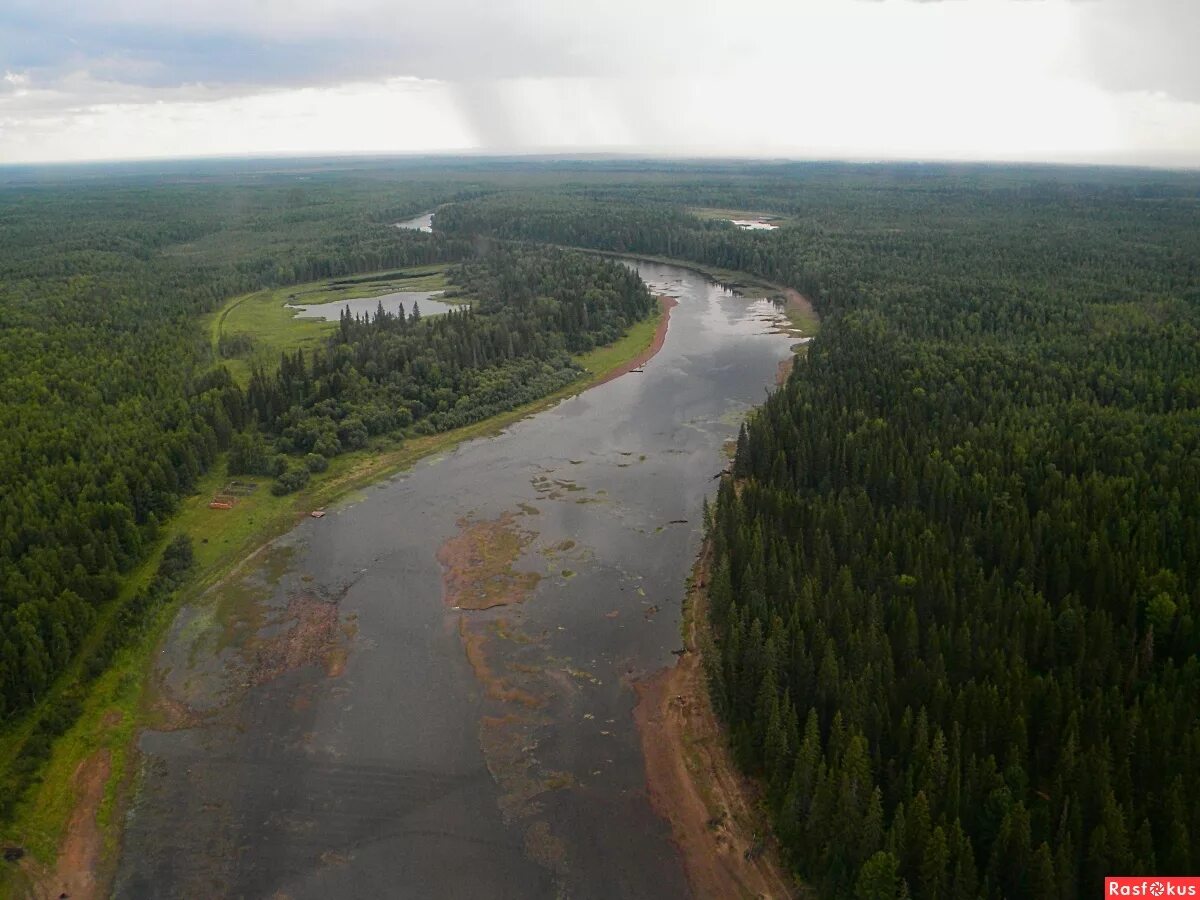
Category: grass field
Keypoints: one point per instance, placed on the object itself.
(121, 700)
(265, 321)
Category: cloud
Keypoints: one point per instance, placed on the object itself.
(367, 117)
(1142, 45)
(962, 78)
(221, 42)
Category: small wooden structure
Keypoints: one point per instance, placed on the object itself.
(228, 497)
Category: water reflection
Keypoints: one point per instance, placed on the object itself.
(754, 224)
(423, 222)
(369, 306)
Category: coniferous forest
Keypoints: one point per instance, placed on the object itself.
(955, 582)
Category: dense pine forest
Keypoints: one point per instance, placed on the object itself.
(955, 594)
(955, 586)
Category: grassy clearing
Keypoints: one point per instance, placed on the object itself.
(120, 700)
(264, 320)
(802, 319)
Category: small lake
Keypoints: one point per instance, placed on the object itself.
(368, 306)
(754, 225)
(423, 222)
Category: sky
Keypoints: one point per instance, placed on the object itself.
(1107, 81)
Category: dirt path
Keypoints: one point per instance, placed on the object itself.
(693, 782)
(784, 369)
(660, 336)
(75, 872)
(797, 302)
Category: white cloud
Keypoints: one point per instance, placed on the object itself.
(1142, 45)
(399, 115)
(993, 79)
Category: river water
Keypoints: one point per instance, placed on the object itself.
(332, 728)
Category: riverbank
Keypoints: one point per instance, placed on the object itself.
(716, 820)
(666, 304)
(65, 810)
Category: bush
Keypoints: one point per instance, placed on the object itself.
(291, 479)
(327, 445)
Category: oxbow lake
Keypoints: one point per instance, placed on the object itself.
(368, 306)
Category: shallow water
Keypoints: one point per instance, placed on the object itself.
(368, 306)
(368, 757)
(423, 222)
(753, 225)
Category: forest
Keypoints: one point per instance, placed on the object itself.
(954, 596)
(954, 589)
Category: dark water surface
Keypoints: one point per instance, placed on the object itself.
(423, 222)
(368, 757)
(331, 311)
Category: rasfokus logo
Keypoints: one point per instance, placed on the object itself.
(1150, 886)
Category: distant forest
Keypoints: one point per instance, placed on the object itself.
(956, 573)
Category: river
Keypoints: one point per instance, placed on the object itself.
(332, 727)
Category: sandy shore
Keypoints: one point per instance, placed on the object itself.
(660, 335)
(723, 837)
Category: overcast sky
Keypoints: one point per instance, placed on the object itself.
(1071, 80)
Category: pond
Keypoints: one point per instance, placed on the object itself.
(754, 225)
(368, 306)
(423, 222)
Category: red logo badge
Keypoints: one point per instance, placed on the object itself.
(1151, 886)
